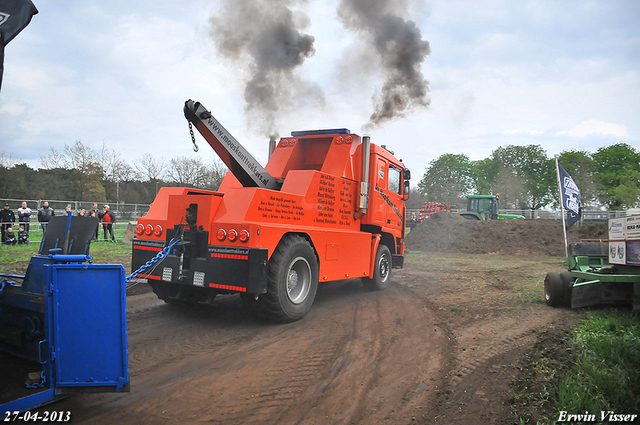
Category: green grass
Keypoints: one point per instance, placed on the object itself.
(606, 375)
(590, 368)
(14, 259)
(10, 256)
(110, 251)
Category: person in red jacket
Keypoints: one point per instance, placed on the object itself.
(108, 218)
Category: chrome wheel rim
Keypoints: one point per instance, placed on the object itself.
(384, 267)
(298, 280)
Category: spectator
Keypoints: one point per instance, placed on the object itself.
(93, 212)
(7, 217)
(108, 218)
(44, 215)
(24, 216)
(9, 236)
(67, 209)
(81, 213)
(23, 236)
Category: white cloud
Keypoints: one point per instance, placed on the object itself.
(523, 131)
(586, 128)
(500, 73)
(12, 109)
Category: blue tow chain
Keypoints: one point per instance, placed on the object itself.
(43, 380)
(152, 263)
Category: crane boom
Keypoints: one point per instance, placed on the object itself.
(248, 171)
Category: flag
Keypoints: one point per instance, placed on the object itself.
(14, 16)
(570, 196)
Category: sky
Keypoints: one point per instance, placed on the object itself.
(564, 75)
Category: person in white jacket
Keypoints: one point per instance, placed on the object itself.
(24, 216)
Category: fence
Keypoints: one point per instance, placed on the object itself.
(126, 212)
(123, 211)
(588, 216)
(36, 232)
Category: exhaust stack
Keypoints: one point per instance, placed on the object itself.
(363, 202)
(272, 145)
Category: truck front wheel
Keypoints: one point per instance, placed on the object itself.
(381, 271)
(292, 281)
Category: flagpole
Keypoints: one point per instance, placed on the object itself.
(564, 228)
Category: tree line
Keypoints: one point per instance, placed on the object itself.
(525, 178)
(85, 174)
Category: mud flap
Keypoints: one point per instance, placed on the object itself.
(586, 294)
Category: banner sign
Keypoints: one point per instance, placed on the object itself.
(570, 196)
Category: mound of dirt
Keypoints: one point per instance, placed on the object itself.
(446, 232)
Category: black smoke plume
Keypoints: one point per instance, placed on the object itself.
(265, 35)
(398, 43)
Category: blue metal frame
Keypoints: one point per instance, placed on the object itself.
(84, 335)
(89, 336)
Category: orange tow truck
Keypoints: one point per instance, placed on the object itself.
(329, 205)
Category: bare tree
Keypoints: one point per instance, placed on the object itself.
(187, 171)
(125, 173)
(115, 168)
(53, 160)
(215, 173)
(151, 168)
(195, 172)
(81, 157)
(8, 161)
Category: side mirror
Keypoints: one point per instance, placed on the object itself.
(406, 190)
(406, 174)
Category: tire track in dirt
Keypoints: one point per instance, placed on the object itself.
(279, 370)
(525, 339)
(488, 327)
(392, 349)
(358, 357)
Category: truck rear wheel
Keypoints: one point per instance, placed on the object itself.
(292, 281)
(553, 289)
(381, 271)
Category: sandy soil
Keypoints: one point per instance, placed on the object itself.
(358, 357)
(442, 345)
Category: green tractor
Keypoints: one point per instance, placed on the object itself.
(484, 207)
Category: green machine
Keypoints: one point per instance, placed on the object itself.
(484, 207)
(600, 272)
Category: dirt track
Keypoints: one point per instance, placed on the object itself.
(427, 350)
(442, 345)
(358, 357)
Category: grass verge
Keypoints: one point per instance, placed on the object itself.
(15, 259)
(592, 369)
(606, 375)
